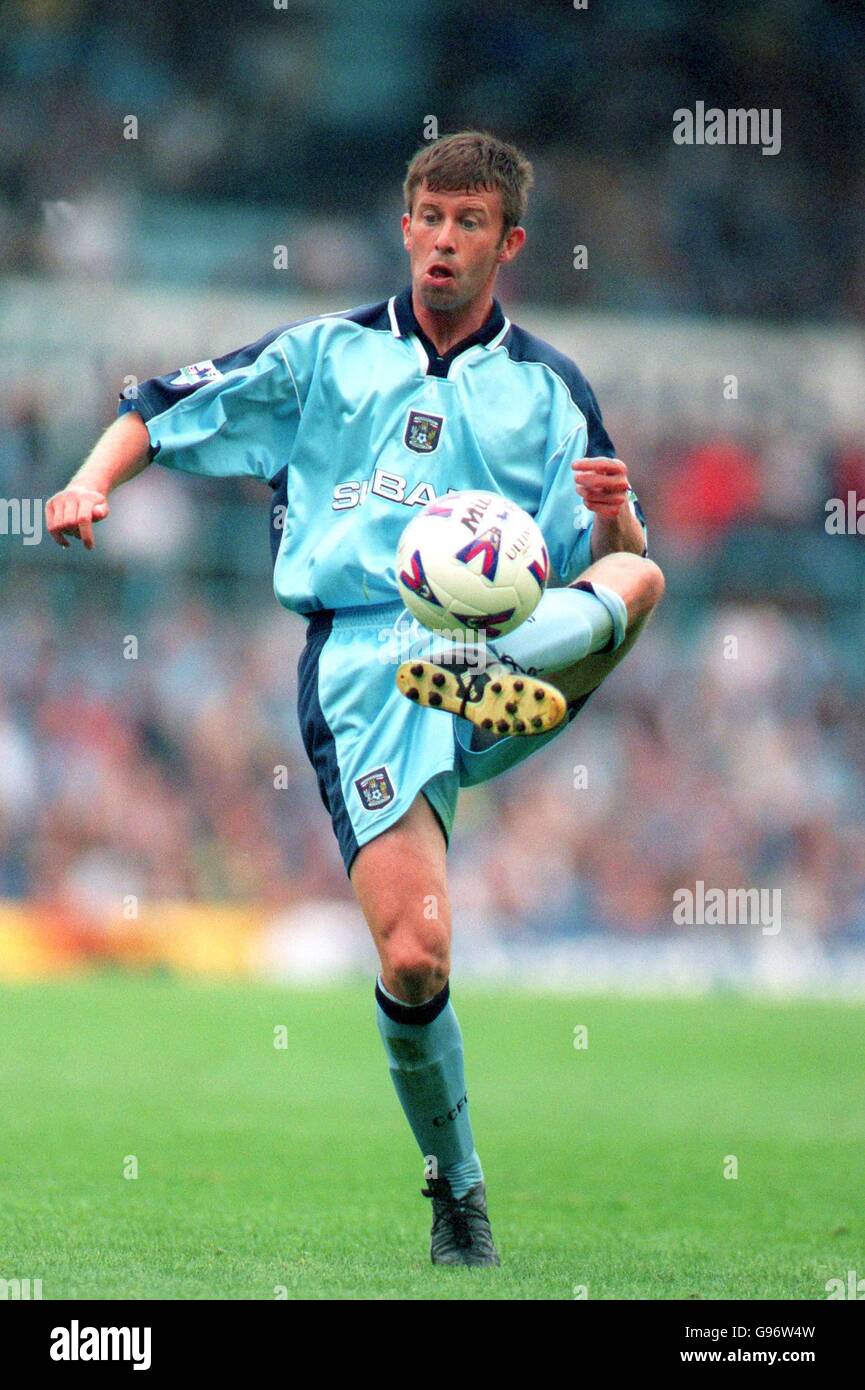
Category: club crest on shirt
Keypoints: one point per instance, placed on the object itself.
(375, 789)
(197, 374)
(422, 431)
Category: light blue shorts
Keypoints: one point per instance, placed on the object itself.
(373, 750)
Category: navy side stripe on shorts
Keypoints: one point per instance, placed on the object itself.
(318, 739)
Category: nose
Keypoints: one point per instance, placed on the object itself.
(445, 241)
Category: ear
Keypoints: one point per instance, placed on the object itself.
(406, 234)
(512, 244)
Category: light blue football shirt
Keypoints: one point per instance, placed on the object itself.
(356, 422)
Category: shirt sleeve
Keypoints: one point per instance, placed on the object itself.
(576, 431)
(564, 519)
(233, 417)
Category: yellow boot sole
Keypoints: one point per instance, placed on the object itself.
(501, 702)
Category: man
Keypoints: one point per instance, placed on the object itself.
(355, 420)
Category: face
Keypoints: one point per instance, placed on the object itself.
(455, 246)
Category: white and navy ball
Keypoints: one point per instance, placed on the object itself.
(472, 562)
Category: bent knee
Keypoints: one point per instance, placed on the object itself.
(652, 582)
(643, 585)
(415, 972)
(638, 581)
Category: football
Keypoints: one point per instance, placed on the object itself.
(472, 561)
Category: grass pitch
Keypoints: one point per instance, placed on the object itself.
(265, 1169)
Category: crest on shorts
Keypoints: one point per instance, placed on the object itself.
(375, 789)
(422, 431)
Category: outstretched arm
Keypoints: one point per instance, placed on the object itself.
(120, 454)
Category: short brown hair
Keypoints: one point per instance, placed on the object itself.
(473, 159)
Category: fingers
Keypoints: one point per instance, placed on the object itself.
(608, 475)
(54, 519)
(612, 491)
(85, 528)
(602, 483)
(72, 513)
(602, 465)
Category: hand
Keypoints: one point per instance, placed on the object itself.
(603, 485)
(73, 511)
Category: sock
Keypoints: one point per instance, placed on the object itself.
(567, 625)
(424, 1047)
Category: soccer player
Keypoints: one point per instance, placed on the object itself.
(355, 420)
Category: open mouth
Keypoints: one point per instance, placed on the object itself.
(440, 273)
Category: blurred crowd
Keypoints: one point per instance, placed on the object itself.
(728, 748)
(702, 486)
(149, 745)
(171, 144)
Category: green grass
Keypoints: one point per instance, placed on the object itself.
(261, 1167)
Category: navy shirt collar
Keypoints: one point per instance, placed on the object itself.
(407, 323)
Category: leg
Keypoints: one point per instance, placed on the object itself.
(399, 880)
(557, 655)
(640, 583)
(372, 752)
